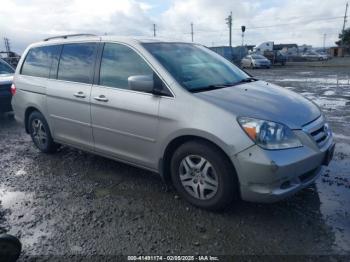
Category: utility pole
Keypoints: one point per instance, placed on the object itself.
(154, 30)
(192, 31)
(229, 23)
(7, 44)
(345, 20)
(324, 42)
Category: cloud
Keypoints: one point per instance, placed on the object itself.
(26, 21)
(282, 21)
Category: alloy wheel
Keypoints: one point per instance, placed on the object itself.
(39, 133)
(198, 177)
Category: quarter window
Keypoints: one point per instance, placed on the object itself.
(118, 63)
(76, 62)
(39, 59)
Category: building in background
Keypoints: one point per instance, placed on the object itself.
(338, 51)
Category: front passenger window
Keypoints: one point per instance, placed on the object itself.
(118, 63)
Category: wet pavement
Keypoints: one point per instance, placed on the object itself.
(76, 203)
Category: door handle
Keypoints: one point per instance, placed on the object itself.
(80, 94)
(101, 98)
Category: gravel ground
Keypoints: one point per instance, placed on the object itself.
(76, 203)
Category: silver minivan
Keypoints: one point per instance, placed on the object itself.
(210, 129)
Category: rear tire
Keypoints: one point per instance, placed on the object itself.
(40, 132)
(202, 175)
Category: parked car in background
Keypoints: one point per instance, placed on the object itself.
(6, 76)
(324, 54)
(255, 61)
(11, 58)
(177, 109)
(314, 56)
(276, 57)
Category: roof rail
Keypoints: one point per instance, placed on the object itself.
(66, 36)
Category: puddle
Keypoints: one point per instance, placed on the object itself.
(334, 193)
(340, 136)
(305, 73)
(23, 220)
(329, 93)
(322, 80)
(21, 172)
(327, 103)
(11, 199)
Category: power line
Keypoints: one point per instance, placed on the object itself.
(293, 23)
(230, 28)
(274, 25)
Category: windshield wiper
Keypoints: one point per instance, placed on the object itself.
(209, 88)
(247, 80)
(213, 87)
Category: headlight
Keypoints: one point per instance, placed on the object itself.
(269, 135)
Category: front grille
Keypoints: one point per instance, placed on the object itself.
(320, 134)
(318, 130)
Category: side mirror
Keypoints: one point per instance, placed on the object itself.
(148, 84)
(142, 83)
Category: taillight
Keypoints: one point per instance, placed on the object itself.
(13, 89)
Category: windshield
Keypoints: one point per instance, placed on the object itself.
(195, 67)
(5, 69)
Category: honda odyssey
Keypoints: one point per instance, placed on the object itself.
(210, 129)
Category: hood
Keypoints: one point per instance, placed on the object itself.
(6, 79)
(264, 101)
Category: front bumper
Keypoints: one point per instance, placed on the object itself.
(262, 65)
(272, 175)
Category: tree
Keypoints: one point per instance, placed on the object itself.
(344, 38)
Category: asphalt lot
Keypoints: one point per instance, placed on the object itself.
(74, 202)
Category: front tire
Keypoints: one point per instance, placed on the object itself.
(40, 133)
(202, 175)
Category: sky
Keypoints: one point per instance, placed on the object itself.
(281, 21)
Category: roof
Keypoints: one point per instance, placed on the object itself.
(90, 38)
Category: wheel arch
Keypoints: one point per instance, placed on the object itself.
(27, 113)
(164, 162)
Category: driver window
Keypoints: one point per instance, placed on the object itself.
(118, 63)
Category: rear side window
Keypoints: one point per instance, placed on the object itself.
(38, 60)
(118, 63)
(76, 62)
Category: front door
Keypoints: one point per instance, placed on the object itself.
(124, 122)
